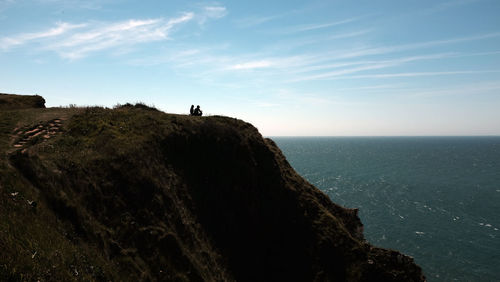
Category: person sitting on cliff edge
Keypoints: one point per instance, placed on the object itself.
(191, 110)
(197, 111)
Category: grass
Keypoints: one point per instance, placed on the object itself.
(132, 193)
(35, 244)
(9, 101)
(65, 237)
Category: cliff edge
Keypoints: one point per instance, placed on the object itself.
(133, 193)
(12, 101)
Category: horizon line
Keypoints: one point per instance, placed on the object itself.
(374, 136)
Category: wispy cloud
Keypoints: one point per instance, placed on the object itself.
(215, 12)
(415, 74)
(362, 66)
(289, 44)
(309, 27)
(332, 64)
(120, 34)
(323, 25)
(211, 12)
(412, 46)
(21, 39)
(94, 36)
(256, 20)
(392, 62)
(251, 65)
(271, 67)
(303, 67)
(348, 34)
(74, 41)
(378, 87)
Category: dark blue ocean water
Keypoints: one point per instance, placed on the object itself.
(436, 199)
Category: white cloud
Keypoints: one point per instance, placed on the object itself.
(332, 74)
(276, 67)
(415, 74)
(324, 25)
(363, 66)
(251, 65)
(254, 21)
(119, 34)
(61, 28)
(309, 27)
(412, 46)
(211, 12)
(348, 34)
(92, 37)
(215, 12)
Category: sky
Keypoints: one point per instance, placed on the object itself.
(291, 68)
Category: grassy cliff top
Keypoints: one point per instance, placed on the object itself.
(132, 193)
(11, 101)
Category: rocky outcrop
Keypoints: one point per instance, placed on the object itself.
(13, 102)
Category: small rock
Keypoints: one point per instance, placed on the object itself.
(33, 204)
(370, 261)
(400, 258)
(18, 146)
(14, 194)
(32, 131)
(36, 134)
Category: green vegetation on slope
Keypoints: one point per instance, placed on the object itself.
(35, 243)
(136, 194)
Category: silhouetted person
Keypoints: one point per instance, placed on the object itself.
(191, 110)
(197, 111)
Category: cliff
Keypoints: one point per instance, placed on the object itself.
(10, 101)
(133, 193)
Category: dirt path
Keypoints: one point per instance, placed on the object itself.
(30, 135)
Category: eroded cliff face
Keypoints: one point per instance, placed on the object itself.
(169, 197)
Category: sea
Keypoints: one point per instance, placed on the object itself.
(436, 199)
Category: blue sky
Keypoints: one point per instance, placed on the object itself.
(414, 67)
